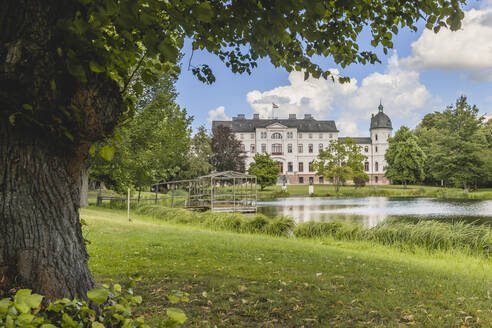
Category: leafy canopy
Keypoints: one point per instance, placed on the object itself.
(153, 146)
(456, 144)
(132, 42)
(341, 161)
(227, 152)
(405, 158)
(265, 169)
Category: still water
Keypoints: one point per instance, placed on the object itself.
(372, 210)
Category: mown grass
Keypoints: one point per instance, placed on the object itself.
(245, 280)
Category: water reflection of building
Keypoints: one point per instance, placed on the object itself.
(294, 143)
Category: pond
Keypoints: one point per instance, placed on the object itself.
(372, 210)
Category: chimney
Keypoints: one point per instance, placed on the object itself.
(240, 116)
(292, 116)
(256, 116)
(307, 116)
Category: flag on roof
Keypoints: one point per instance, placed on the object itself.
(274, 105)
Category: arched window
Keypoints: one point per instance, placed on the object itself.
(376, 166)
(276, 149)
(366, 166)
(366, 149)
(276, 135)
(376, 149)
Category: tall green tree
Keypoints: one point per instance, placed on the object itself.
(199, 156)
(68, 78)
(342, 160)
(151, 147)
(265, 169)
(405, 158)
(454, 144)
(227, 154)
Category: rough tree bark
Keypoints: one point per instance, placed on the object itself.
(84, 188)
(41, 243)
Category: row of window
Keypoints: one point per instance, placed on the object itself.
(290, 167)
(311, 180)
(277, 148)
(290, 135)
(366, 149)
(278, 135)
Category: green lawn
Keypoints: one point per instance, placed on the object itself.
(246, 280)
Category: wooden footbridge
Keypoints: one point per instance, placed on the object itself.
(227, 191)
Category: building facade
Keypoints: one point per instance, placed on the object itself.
(296, 142)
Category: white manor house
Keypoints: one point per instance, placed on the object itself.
(295, 142)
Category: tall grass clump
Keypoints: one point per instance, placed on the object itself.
(434, 235)
(341, 230)
(233, 222)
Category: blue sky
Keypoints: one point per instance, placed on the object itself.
(424, 73)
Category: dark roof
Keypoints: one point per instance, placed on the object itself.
(380, 120)
(302, 125)
(358, 140)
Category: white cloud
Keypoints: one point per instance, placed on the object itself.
(313, 96)
(349, 104)
(217, 114)
(468, 50)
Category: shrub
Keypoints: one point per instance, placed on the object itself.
(25, 310)
(359, 181)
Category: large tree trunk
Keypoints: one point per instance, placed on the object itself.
(41, 242)
(55, 119)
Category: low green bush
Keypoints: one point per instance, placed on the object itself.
(25, 310)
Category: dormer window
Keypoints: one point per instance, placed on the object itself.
(276, 135)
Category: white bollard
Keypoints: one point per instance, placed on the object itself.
(311, 189)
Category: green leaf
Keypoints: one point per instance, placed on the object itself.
(96, 324)
(25, 318)
(48, 325)
(204, 12)
(95, 67)
(98, 295)
(176, 315)
(22, 307)
(12, 118)
(138, 88)
(117, 288)
(92, 150)
(9, 322)
(27, 107)
(168, 50)
(33, 300)
(77, 70)
(174, 298)
(107, 153)
(4, 305)
(137, 299)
